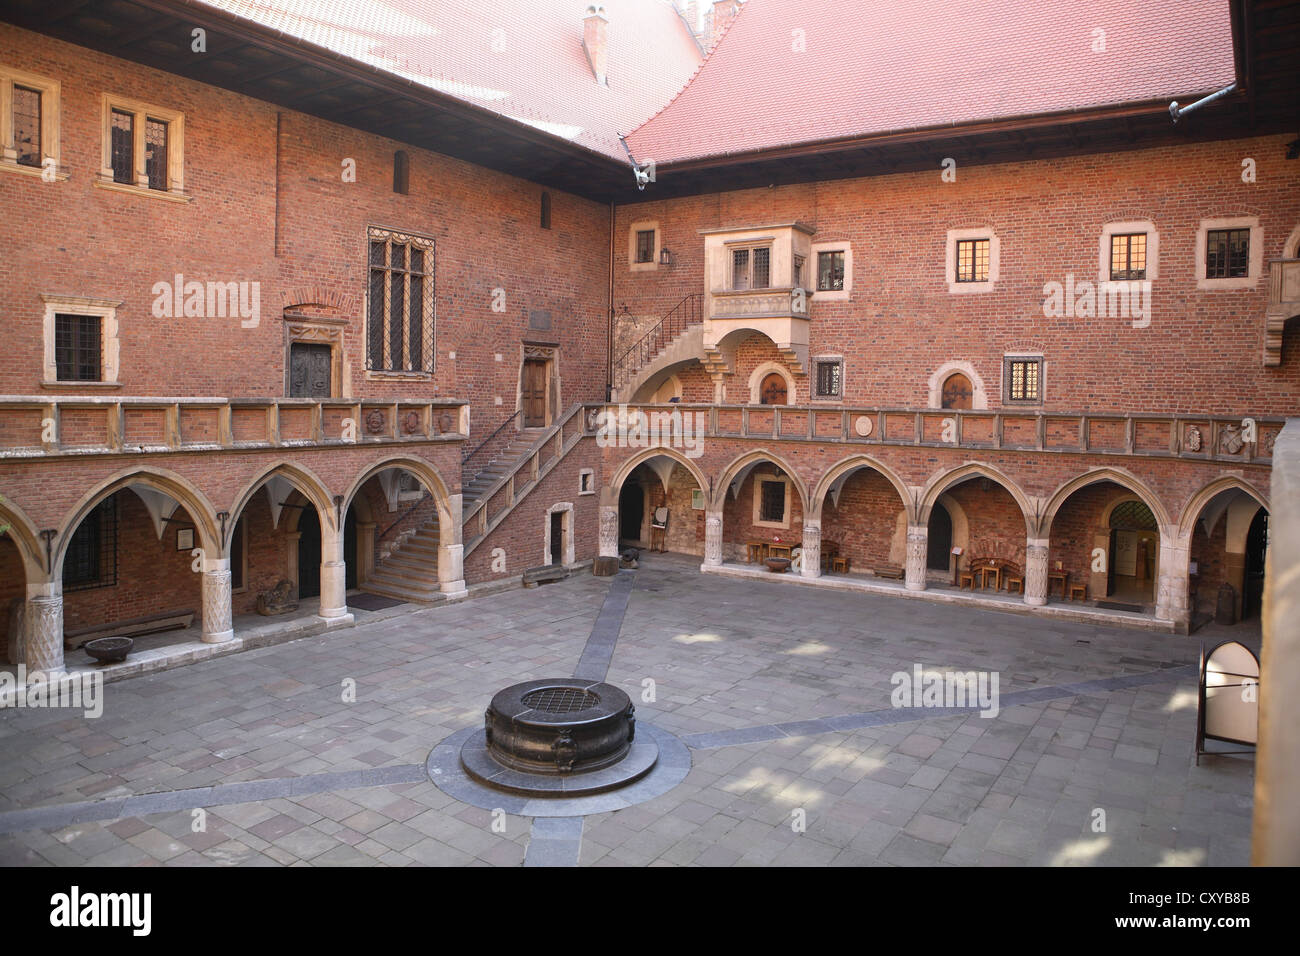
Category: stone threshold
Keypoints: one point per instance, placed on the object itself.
(1009, 604)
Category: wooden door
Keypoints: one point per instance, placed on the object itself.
(773, 390)
(309, 370)
(534, 393)
(957, 391)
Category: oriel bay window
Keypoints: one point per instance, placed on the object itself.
(400, 303)
(751, 268)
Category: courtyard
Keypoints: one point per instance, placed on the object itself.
(314, 752)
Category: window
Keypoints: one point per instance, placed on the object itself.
(546, 210)
(830, 271)
(401, 172)
(772, 507)
(1227, 253)
(830, 378)
(1024, 379)
(400, 303)
(586, 481)
(973, 260)
(77, 350)
(645, 245)
(29, 127)
(143, 149)
(751, 268)
(1128, 256)
(81, 342)
(797, 273)
(91, 559)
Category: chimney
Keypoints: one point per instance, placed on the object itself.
(724, 11)
(595, 40)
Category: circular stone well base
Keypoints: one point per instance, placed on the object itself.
(448, 774)
(477, 761)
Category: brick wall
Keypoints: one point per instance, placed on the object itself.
(865, 522)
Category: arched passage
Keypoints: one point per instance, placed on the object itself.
(137, 548)
(662, 498)
(1225, 528)
(996, 518)
(864, 508)
(1107, 530)
(761, 500)
(20, 563)
(407, 532)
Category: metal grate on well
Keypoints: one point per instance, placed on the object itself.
(560, 700)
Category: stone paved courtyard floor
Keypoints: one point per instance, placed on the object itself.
(288, 773)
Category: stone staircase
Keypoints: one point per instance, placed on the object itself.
(410, 571)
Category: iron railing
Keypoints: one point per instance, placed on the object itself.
(686, 313)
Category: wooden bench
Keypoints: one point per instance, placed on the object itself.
(545, 574)
(889, 571)
(129, 627)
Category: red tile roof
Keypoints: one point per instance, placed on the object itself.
(521, 58)
(879, 66)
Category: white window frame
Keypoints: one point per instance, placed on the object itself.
(643, 225)
(830, 295)
(758, 501)
(175, 191)
(950, 260)
(49, 90)
(1133, 227)
(110, 347)
(1255, 262)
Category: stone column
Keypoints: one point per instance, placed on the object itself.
(1171, 589)
(44, 630)
(812, 549)
(712, 539)
(1036, 551)
(333, 575)
(918, 535)
(451, 570)
(218, 617)
(609, 531)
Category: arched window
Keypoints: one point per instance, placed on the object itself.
(773, 389)
(957, 391)
(546, 210)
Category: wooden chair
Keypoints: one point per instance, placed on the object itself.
(1078, 592)
(966, 579)
(755, 551)
(840, 564)
(1015, 579)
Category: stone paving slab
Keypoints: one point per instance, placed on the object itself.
(785, 694)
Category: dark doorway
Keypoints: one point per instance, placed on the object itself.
(350, 549)
(631, 511)
(1252, 599)
(557, 537)
(308, 553)
(309, 370)
(534, 393)
(939, 549)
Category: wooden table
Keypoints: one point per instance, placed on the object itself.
(1063, 577)
(984, 570)
(779, 550)
(755, 551)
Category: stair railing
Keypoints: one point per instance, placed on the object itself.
(480, 446)
(686, 313)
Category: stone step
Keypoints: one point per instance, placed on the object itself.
(403, 593)
(410, 585)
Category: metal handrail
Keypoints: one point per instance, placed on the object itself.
(477, 448)
(683, 315)
(402, 517)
